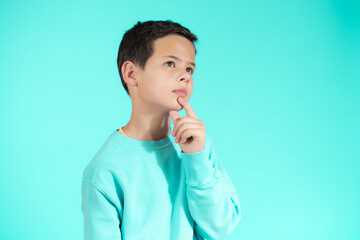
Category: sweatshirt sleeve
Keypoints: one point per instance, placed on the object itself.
(212, 198)
(101, 218)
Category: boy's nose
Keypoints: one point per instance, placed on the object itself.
(184, 79)
(185, 76)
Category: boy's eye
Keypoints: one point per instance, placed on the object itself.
(170, 64)
(190, 70)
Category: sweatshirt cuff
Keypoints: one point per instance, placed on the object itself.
(198, 168)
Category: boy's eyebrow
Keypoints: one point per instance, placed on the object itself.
(175, 57)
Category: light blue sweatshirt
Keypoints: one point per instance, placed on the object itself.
(152, 190)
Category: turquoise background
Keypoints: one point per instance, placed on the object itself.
(277, 84)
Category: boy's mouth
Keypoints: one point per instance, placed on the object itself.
(181, 92)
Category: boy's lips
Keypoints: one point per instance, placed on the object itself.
(181, 92)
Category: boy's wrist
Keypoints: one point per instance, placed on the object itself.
(192, 152)
(197, 166)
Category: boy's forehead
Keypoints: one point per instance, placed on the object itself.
(174, 45)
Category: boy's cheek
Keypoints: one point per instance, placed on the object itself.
(188, 96)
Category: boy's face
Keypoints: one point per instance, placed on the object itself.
(169, 68)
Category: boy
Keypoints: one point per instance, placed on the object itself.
(145, 183)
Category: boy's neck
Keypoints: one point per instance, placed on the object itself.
(148, 128)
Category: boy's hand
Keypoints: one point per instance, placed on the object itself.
(189, 130)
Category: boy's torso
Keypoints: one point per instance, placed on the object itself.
(147, 186)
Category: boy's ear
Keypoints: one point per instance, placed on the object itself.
(128, 71)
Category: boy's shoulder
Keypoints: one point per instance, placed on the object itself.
(114, 155)
(98, 160)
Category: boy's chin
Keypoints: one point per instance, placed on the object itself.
(176, 107)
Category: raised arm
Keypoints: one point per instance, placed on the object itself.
(212, 198)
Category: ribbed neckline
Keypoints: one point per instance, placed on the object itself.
(143, 144)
